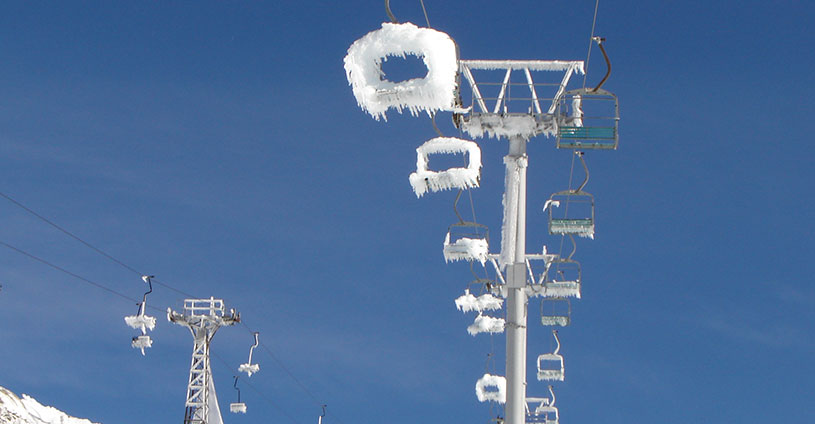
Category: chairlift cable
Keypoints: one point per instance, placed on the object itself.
(591, 40)
(566, 207)
(87, 244)
(425, 13)
(63, 270)
(287, 371)
(263, 395)
(68, 233)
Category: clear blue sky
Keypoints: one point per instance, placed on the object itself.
(218, 146)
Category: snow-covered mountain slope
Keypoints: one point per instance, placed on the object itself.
(14, 410)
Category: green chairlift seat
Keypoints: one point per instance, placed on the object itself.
(571, 212)
(562, 279)
(556, 312)
(588, 119)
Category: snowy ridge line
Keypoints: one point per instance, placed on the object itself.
(532, 65)
(375, 94)
(14, 410)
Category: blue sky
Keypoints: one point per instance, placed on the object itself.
(218, 146)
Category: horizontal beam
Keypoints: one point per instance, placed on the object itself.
(532, 65)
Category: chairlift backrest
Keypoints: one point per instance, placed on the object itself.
(556, 316)
(571, 212)
(550, 365)
(468, 241)
(588, 119)
(468, 229)
(562, 278)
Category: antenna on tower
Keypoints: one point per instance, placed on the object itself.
(203, 317)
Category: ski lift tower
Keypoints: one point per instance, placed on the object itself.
(514, 110)
(203, 317)
(505, 103)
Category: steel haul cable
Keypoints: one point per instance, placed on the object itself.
(88, 245)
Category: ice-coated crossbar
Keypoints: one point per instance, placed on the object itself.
(502, 107)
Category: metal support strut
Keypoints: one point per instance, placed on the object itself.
(515, 204)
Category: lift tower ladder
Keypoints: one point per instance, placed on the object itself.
(203, 317)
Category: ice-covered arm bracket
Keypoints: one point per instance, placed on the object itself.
(375, 94)
(424, 179)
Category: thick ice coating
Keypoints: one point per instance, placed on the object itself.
(375, 94)
(486, 324)
(495, 381)
(486, 302)
(424, 180)
(141, 322)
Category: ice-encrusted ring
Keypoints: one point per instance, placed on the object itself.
(375, 94)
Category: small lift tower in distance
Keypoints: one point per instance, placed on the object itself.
(203, 317)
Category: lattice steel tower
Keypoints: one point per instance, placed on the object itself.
(203, 317)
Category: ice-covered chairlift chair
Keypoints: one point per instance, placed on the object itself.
(545, 412)
(249, 368)
(562, 278)
(572, 211)
(588, 117)
(142, 322)
(465, 240)
(560, 313)
(237, 407)
(550, 365)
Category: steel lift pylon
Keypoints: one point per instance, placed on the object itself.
(203, 317)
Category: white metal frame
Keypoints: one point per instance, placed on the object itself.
(203, 317)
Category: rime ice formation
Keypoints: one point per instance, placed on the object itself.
(465, 249)
(495, 381)
(486, 324)
(249, 369)
(14, 410)
(141, 322)
(375, 94)
(424, 180)
(486, 302)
